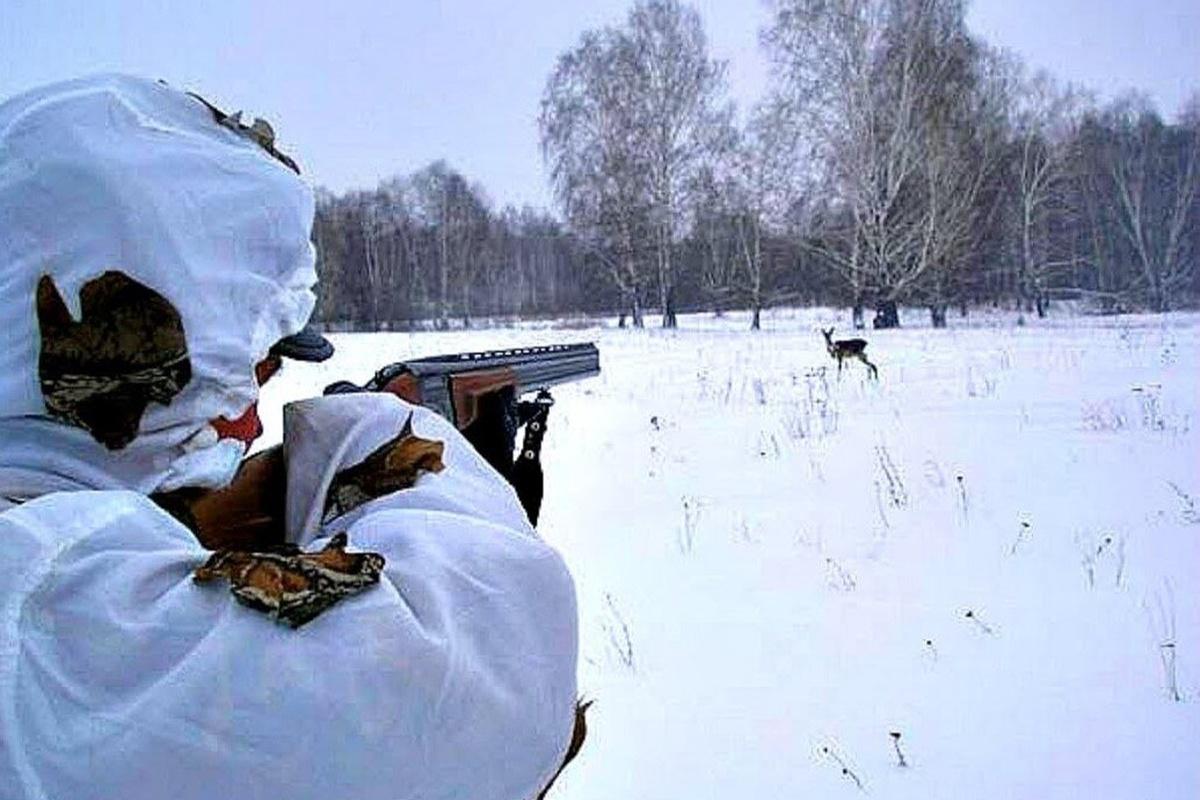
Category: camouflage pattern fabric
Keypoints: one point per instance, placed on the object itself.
(394, 465)
(127, 349)
(260, 131)
(293, 587)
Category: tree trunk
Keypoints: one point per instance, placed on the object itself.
(756, 321)
(666, 279)
(886, 315)
(635, 311)
(1158, 297)
(1024, 295)
(856, 314)
(1041, 305)
(443, 317)
(937, 315)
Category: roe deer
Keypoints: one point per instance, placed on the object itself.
(842, 349)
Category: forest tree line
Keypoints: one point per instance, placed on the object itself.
(897, 159)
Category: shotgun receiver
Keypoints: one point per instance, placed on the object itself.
(453, 385)
(462, 387)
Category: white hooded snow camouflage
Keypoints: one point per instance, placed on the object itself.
(119, 676)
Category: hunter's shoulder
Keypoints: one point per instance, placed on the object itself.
(60, 518)
(359, 454)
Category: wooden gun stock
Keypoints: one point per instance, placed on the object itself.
(453, 384)
(467, 388)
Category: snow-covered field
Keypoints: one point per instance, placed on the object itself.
(994, 552)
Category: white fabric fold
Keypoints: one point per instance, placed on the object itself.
(324, 435)
(453, 678)
(118, 173)
(122, 678)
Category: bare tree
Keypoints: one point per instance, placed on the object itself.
(629, 118)
(822, 56)
(380, 214)
(761, 191)
(884, 91)
(963, 135)
(475, 230)
(1154, 170)
(600, 178)
(329, 240)
(712, 240)
(860, 113)
(1045, 130)
(457, 215)
(681, 120)
(878, 152)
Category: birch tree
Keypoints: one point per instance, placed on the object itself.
(588, 126)
(963, 135)
(457, 217)
(1045, 132)
(762, 190)
(682, 121)
(822, 59)
(1154, 171)
(881, 89)
(712, 239)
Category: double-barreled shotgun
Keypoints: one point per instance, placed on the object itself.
(452, 385)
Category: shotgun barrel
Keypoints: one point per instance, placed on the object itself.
(452, 384)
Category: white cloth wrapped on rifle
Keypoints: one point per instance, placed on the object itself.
(454, 677)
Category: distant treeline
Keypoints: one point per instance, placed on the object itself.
(897, 159)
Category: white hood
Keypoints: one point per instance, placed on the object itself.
(113, 173)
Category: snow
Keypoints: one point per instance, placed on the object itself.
(775, 566)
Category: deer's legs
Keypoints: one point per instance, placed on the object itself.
(874, 372)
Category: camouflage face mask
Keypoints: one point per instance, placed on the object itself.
(260, 131)
(127, 349)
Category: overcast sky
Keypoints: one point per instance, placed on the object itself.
(360, 90)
